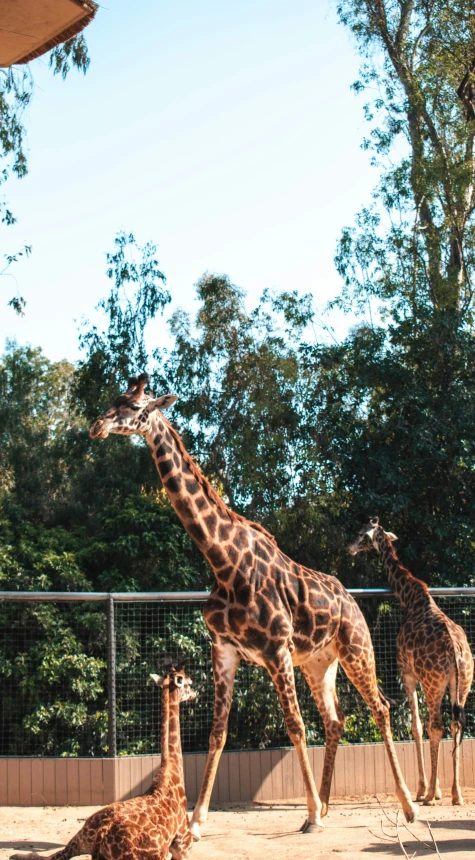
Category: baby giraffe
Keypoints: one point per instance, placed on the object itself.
(430, 648)
(154, 824)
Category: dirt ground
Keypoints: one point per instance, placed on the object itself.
(354, 829)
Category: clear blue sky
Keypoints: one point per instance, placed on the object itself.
(226, 133)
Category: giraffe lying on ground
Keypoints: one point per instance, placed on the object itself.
(430, 648)
(264, 609)
(154, 824)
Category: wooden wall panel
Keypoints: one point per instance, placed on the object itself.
(13, 781)
(37, 787)
(3, 782)
(260, 775)
(61, 781)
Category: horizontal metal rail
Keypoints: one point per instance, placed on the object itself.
(103, 596)
(179, 596)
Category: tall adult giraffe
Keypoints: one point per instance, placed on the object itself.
(430, 648)
(264, 609)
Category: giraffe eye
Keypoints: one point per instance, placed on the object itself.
(135, 408)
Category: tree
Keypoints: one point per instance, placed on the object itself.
(396, 397)
(16, 93)
(414, 248)
(138, 293)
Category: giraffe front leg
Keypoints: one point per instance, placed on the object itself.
(225, 660)
(281, 670)
(435, 729)
(182, 844)
(321, 677)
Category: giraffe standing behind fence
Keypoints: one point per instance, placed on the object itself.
(154, 824)
(264, 609)
(430, 648)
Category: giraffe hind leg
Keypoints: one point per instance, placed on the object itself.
(435, 729)
(321, 678)
(358, 664)
(459, 722)
(409, 683)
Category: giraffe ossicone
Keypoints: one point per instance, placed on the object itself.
(264, 609)
(153, 824)
(431, 649)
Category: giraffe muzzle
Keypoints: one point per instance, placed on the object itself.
(98, 431)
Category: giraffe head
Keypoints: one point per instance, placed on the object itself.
(130, 413)
(176, 679)
(364, 540)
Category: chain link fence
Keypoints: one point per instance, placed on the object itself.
(74, 675)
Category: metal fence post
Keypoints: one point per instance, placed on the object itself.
(111, 699)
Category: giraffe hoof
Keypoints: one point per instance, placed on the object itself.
(429, 801)
(195, 831)
(458, 801)
(308, 827)
(411, 814)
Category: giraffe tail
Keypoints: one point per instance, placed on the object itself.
(385, 699)
(458, 711)
(459, 716)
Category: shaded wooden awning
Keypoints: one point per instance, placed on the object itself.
(30, 28)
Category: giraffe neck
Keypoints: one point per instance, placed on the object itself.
(171, 764)
(204, 514)
(164, 737)
(403, 584)
(175, 755)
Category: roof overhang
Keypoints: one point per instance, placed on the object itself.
(30, 28)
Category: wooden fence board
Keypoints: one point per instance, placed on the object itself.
(234, 778)
(13, 781)
(135, 775)
(3, 782)
(73, 781)
(360, 773)
(84, 767)
(108, 780)
(37, 788)
(264, 775)
(276, 757)
(25, 782)
(287, 774)
(222, 777)
(49, 782)
(244, 761)
(265, 792)
(61, 781)
(189, 770)
(255, 774)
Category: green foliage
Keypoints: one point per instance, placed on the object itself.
(73, 51)
(138, 293)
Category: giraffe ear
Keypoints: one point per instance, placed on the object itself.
(392, 537)
(159, 680)
(163, 402)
